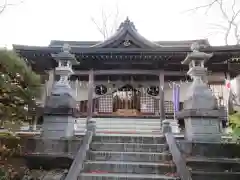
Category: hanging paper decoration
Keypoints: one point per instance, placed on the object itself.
(170, 84)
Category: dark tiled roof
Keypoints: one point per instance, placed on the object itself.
(127, 31)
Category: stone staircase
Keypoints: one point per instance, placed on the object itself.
(127, 157)
(214, 161)
(214, 168)
(121, 126)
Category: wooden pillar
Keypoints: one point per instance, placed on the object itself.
(90, 95)
(161, 95)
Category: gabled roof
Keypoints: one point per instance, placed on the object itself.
(127, 36)
(59, 43)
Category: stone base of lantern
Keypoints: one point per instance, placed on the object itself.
(56, 127)
(202, 125)
(202, 129)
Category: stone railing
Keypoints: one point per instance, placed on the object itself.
(80, 157)
(178, 159)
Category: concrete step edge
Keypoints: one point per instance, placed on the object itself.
(125, 175)
(130, 163)
(155, 134)
(123, 120)
(215, 173)
(213, 160)
(129, 152)
(127, 143)
(158, 129)
(111, 130)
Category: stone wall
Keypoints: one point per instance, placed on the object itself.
(205, 149)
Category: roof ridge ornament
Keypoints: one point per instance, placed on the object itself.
(66, 48)
(195, 47)
(127, 23)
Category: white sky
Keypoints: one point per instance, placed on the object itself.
(36, 22)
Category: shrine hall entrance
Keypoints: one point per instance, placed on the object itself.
(126, 101)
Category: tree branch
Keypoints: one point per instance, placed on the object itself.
(6, 4)
(207, 6)
(230, 17)
(105, 28)
(3, 7)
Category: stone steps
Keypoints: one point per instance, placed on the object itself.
(122, 125)
(200, 175)
(129, 156)
(123, 176)
(129, 147)
(218, 168)
(213, 164)
(129, 167)
(126, 157)
(129, 139)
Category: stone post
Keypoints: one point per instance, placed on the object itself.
(200, 113)
(60, 109)
(166, 126)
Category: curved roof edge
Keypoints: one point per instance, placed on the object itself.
(77, 49)
(127, 32)
(87, 44)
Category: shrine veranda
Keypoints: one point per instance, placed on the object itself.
(129, 70)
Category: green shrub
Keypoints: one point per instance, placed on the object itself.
(234, 121)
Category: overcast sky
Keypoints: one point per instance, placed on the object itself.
(36, 22)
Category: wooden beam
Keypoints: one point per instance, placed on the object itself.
(133, 72)
(161, 96)
(90, 95)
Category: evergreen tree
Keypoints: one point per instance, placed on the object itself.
(19, 87)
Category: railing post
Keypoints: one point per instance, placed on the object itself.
(166, 127)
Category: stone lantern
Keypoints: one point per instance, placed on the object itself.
(200, 113)
(60, 110)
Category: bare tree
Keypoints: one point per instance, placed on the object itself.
(108, 23)
(229, 11)
(6, 3)
(230, 14)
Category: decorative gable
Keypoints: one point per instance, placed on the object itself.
(126, 37)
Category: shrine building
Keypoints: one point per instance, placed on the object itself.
(129, 70)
